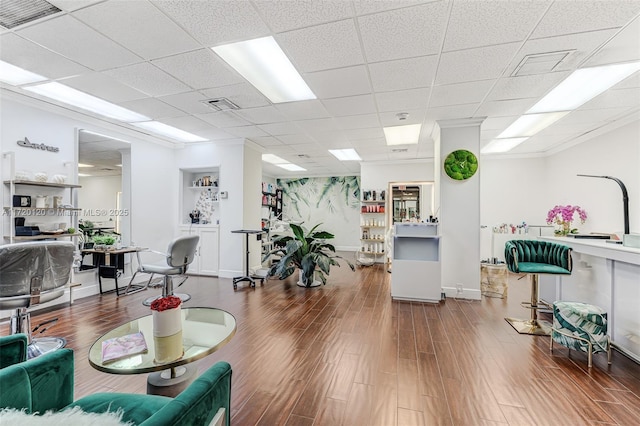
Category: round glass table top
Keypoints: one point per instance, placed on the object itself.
(204, 331)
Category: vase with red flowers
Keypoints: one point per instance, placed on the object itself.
(167, 329)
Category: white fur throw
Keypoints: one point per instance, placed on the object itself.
(72, 417)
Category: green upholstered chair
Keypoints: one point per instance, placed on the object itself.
(13, 349)
(582, 327)
(536, 257)
(46, 383)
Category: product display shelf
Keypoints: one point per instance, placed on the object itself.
(43, 237)
(41, 184)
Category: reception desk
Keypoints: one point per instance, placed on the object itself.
(606, 275)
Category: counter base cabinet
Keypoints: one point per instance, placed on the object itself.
(415, 280)
(207, 253)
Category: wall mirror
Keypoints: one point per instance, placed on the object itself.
(410, 202)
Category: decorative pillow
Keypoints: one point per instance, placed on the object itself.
(73, 416)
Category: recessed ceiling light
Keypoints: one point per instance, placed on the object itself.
(104, 136)
(402, 135)
(583, 85)
(502, 145)
(118, 165)
(83, 175)
(273, 159)
(78, 99)
(263, 63)
(169, 131)
(16, 75)
(530, 124)
(291, 167)
(84, 165)
(349, 154)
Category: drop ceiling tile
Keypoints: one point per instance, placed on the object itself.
(569, 17)
(403, 74)
(152, 108)
(625, 46)
(261, 115)
(200, 69)
(187, 123)
(351, 105)
(76, 41)
(526, 86)
(498, 123)
(289, 15)
(485, 23)
(216, 135)
(505, 108)
(223, 119)
(284, 128)
(339, 82)
(190, 102)
(615, 98)
(148, 79)
(416, 116)
(303, 148)
(460, 93)
(244, 95)
(246, 131)
(138, 26)
(25, 54)
(103, 87)
(318, 125)
(372, 133)
(331, 140)
(365, 7)
(402, 100)
(322, 47)
(216, 22)
(265, 141)
(296, 139)
(580, 46)
(592, 116)
(376, 145)
(359, 121)
(629, 83)
(451, 112)
(70, 5)
(370, 156)
(475, 64)
(303, 110)
(403, 33)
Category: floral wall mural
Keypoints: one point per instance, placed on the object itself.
(332, 201)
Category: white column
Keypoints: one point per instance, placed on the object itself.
(459, 211)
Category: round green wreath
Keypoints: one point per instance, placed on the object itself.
(460, 164)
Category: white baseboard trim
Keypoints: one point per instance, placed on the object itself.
(467, 293)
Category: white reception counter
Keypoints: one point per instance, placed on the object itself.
(606, 275)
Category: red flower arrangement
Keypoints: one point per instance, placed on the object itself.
(164, 303)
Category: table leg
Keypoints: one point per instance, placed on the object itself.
(172, 381)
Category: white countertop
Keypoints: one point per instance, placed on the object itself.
(599, 248)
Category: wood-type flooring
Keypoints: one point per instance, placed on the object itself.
(346, 354)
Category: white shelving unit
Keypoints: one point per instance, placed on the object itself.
(372, 231)
(416, 262)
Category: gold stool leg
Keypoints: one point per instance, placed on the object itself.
(533, 325)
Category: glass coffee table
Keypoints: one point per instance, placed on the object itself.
(204, 331)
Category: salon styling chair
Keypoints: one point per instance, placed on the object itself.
(179, 256)
(534, 257)
(34, 273)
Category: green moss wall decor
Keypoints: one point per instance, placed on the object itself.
(460, 164)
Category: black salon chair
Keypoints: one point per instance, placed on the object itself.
(180, 254)
(30, 274)
(536, 257)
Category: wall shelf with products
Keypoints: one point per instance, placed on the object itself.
(200, 196)
(372, 226)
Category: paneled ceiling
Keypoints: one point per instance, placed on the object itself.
(366, 61)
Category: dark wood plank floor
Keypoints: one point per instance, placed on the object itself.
(346, 354)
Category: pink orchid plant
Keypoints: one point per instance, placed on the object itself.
(564, 215)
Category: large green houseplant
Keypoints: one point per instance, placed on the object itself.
(305, 251)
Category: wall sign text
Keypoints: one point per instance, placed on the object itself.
(25, 143)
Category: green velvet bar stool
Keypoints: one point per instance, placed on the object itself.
(581, 327)
(536, 257)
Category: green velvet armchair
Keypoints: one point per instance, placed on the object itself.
(535, 257)
(13, 349)
(47, 383)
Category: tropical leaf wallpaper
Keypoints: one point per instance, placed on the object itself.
(332, 201)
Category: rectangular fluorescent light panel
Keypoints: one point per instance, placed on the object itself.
(530, 124)
(273, 159)
(502, 145)
(402, 135)
(16, 76)
(83, 175)
(263, 63)
(583, 85)
(78, 99)
(291, 167)
(349, 154)
(169, 131)
(84, 165)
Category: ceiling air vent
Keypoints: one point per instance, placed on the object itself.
(221, 104)
(17, 12)
(400, 150)
(540, 63)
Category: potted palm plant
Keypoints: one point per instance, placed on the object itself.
(307, 252)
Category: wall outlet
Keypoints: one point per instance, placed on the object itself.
(459, 288)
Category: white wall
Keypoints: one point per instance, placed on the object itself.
(376, 175)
